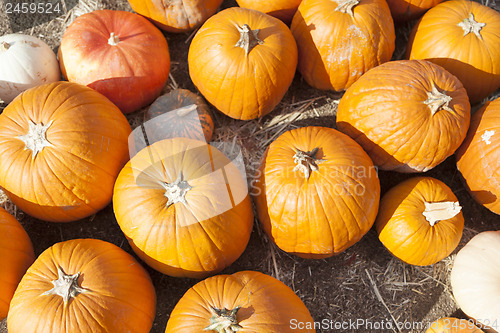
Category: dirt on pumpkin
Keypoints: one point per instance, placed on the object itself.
(364, 289)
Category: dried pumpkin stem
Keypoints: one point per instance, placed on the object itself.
(4, 46)
(306, 162)
(66, 286)
(470, 25)
(36, 138)
(223, 320)
(439, 211)
(437, 100)
(181, 112)
(176, 191)
(113, 39)
(346, 6)
(248, 38)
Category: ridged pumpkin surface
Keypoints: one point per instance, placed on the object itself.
(281, 9)
(406, 10)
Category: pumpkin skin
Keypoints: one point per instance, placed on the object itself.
(66, 169)
(200, 232)
(117, 53)
(281, 9)
(266, 305)
(324, 207)
(474, 279)
(184, 122)
(406, 10)
(420, 221)
(176, 16)
(474, 60)
(400, 120)
(341, 47)
(117, 295)
(17, 255)
(478, 159)
(25, 62)
(452, 325)
(243, 85)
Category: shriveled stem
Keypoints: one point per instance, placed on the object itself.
(36, 138)
(346, 6)
(470, 25)
(437, 100)
(176, 191)
(4, 46)
(248, 38)
(223, 321)
(113, 39)
(306, 162)
(439, 211)
(66, 286)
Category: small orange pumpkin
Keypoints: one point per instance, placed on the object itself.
(62, 146)
(420, 221)
(453, 325)
(406, 10)
(281, 9)
(316, 192)
(478, 159)
(408, 115)
(184, 207)
(83, 285)
(245, 301)
(179, 113)
(17, 255)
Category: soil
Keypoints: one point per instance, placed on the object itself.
(364, 285)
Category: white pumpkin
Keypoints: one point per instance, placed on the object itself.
(475, 279)
(25, 62)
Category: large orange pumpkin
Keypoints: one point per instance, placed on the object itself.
(243, 62)
(453, 325)
(478, 159)
(61, 146)
(420, 221)
(340, 40)
(83, 285)
(316, 192)
(184, 207)
(119, 54)
(461, 36)
(409, 116)
(281, 9)
(405, 10)
(176, 16)
(16, 253)
(242, 302)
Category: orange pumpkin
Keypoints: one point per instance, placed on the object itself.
(184, 207)
(317, 192)
(281, 9)
(462, 37)
(246, 301)
(453, 325)
(83, 285)
(409, 116)
(243, 62)
(478, 159)
(406, 10)
(117, 53)
(176, 16)
(420, 221)
(179, 113)
(340, 40)
(17, 255)
(62, 146)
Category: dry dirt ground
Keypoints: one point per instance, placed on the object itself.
(365, 283)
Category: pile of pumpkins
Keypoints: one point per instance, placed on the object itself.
(185, 207)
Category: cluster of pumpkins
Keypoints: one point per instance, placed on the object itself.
(185, 207)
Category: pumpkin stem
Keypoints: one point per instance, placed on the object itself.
(346, 6)
(306, 162)
(470, 25)
(176, 191)
(113, 40)
(223, 320)
(181, 112)
(36, 138)
(4, 46)
(248, 38)
(437, 100)
(439, 211)
(66, 286)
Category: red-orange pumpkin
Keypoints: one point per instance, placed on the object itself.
(243, 62)
(16, 253)
(462, 37)
(408, 115)
(340, 40)
(176, 16)
(478, 159)
(61, 146)
(119, 54)
(317, 192)
(243, 302)
(405, 10)
(281, 9)
(184, 207)
(83, 285)
(179, 113)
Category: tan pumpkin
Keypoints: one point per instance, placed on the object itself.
(408, 115)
